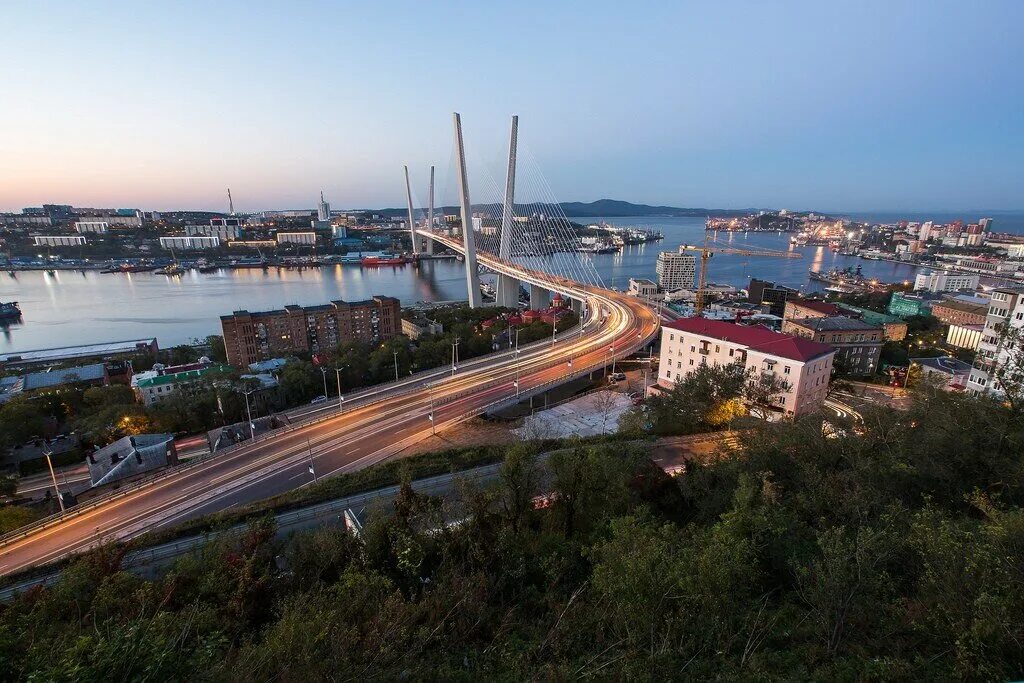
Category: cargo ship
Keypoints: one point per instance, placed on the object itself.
(385, 260)
(9, 310)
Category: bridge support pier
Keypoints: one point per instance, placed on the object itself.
(468, 238)
(577, 307)
(412, 222)
(539, 298)
(428, 247)
(508, 292)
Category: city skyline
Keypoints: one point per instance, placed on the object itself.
(873, 108)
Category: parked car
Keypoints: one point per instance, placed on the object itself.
(617, 376)
(318, 399)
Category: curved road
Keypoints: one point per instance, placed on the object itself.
(372, 428)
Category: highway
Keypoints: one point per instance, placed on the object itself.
(372, 428)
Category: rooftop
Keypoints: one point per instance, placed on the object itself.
(834, 324)
(84, 351)
(296, 309)
(961, 306)
(82, 373)
(186, 376)
(755, 338)
(945, 364)
(820, 306)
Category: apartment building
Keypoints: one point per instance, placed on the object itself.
(676, 270)
(945, 282)
(804, 364)
(190, 243)
(59, 240)
(857, 342)
(798, 307)
(764, 292)
(251, 337)
(1005, 311)
(953, 312)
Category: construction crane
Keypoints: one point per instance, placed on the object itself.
(712, 247)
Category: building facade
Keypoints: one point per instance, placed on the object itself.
(251, 337)
(218, 228)
(1005, 315)
(775, 296)
(59, 240)
(96, 227)
(945, 282)
(296, 238)
(857, 343)
(193, 243)
(906, 305)
(805, 365)
(676, 271)
(959, 312)
(645, 289)
(798, 307)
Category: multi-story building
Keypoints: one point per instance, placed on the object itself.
(121, 220)
(894, 328)
(153, 389)
(945, 282)
(190, 243)
(225, 229)
(1005, 313)
(251, 337)
(676, 270)
(857, 343)
(806, 366)
(798, 307)
(952, 312)
(59, 240)
(644, 289)
(906, 305)
(964, 336)
(97, 227)
(296, 238)
(764, 292)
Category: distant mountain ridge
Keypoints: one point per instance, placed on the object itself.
(616, 207)
(602, 208)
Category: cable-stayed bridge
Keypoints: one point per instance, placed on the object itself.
(371, 425)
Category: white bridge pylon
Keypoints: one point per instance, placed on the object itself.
(540, 240)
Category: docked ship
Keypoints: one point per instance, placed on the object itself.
(385, 260)
(9, 310)
(845, 280)
(170, 269)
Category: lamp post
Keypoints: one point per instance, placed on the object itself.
(396, 364)
(554, 326)
(430, 416)
(312, 467)
(323, 371)
(53, 476)
(341, 399)
(455, 355)
(248, 413)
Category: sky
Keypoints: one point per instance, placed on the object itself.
(845, 106)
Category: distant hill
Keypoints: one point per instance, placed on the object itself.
(615, 207)
(602, 208)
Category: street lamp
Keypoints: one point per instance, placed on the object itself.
(248, 413)
(47, 452)
(430, 416)
(455, 355)
(323, 371)
(341, 399)
(396, 364)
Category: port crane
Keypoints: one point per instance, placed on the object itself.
(711, 247)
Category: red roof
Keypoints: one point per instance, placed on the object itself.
(755, 338)
(819, 306)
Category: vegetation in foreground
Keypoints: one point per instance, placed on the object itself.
(897, 554)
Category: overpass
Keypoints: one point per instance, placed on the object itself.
(365, 429)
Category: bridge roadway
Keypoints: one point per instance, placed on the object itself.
(376, 428)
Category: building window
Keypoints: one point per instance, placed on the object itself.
(691, 361)
(668, 373)
(785, 370)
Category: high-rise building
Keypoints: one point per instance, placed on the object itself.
(926, 231)
(251, 337)
(985, 224)
(1005, 316)
(323, 210)
(676, 271)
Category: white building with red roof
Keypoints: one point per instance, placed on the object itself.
(804, 364)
